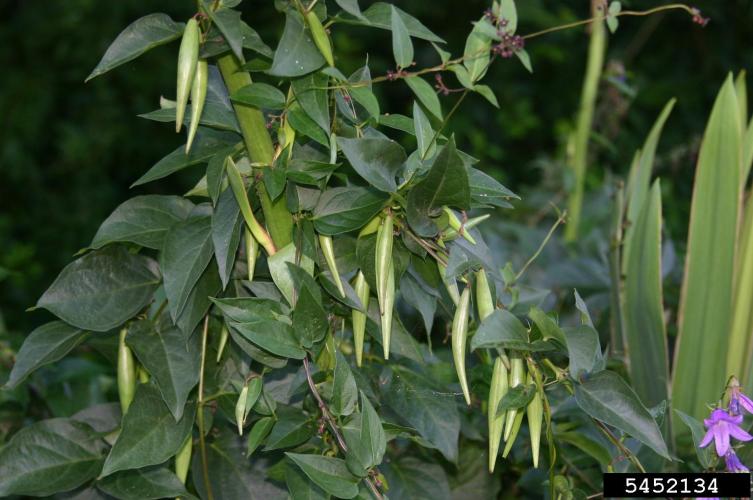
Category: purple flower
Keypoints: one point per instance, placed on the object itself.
(733, 463)
(721, 425)
(737, 399)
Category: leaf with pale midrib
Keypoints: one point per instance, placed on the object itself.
(143, 484)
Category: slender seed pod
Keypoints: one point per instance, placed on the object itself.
(459, 336)
(222, 343)
(188, 56)
(484, 300)
(252, 251)
(241, 196)
(457, 225)
(497, 390)
(513, 433)
(389, 305)
(359, 318)
(198, 96)
(451, 234)
(143, 375)
(240, 408)
(450, 283)
(371, 227)
(320, 37)
(517, 376)
(325, 242)
(126, 373)
(535, 413)
(383, 258)
(183, 459)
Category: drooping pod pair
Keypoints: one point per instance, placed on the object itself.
(193, 76)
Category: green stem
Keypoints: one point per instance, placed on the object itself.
(615, 255)
(596, 50)
(260, 149)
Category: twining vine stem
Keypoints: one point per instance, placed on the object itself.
(327, 416)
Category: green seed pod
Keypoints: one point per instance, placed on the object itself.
(389, 305)
(241, 196)
(126, 373)
(183, 459)
(457, 225)
(188, 56)
(459, 335)
(240, 408)
(451, 234)
(535, 413)
(449, 283)
(222, 343)
(497, 390)
(320, 37)
(513, 433)
(252, 251)
(359, 318)
(198, 96)
(143, 375)
(371, 227)
(250, 393)
(484, 300)
(517, 376)
(385, 278)
(328, 249)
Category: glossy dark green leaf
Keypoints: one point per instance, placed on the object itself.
(291, 428)
(103, 418)
(263, 324)
(606, 397)
(330, 474)
(697, 431)
(102, 289)
(229, 23)
(207, 143)
(351, 7)
(296, 54)
(149, 435)
(379, 15)
(198, 302)
(435, 418)
(487, 192)
(50, 456)
(226, 233)
(303, 124)
(409, 477)
(424, 132)
(214, 115)
(258, 433)
(344, 209)
(260, 95)
(500, 329)
(517, 397)
(310, 322)
(311, 93)
(365, 437)
(215, 43)
(185, 255)
(279, 269)
(143, 484)
(547, 326)
(139, 37)
(425, 94)
(445, 184)
(376, 159)
(402, 47)
(344, 388)
(173, 362)
(301, 487)
(584, 350)
(256, 353)
(46, 344)
(586, 445)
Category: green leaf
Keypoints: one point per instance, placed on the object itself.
(586, 445)
(402, 47)
(46, 344)
(226, 234)
(344, 209)
(300, 487)
(500, 329)
(292, 428)
(365, 437)
(525, 59)
(281, 275)
(344, 389)
(258, 434)
(508, 12)
(260, 95)
(143, 484)
(376, 159)
(435, 418)
(143, 220)
(584, 350)
(102, 289)
(48, 457)
(697, 431)
(230, 25)
(351, 7)
(477, 51)
(216, 115)
(547, 326)
(296, 55)
(205, 146)
(517, 397)
(445, 184)
(303, 124)
(707, 290)
(607, 398)
(487, 192)
(424, 132)
(149, 435)
(644, 308)
(409, 477)
(185, 256)
(262, 323)
(379, 15)
(426, 94)
(139, 37)
(311, 93)
(487, 93)
(197, 304)
(330, 474)
(173, 362)
(310, 322)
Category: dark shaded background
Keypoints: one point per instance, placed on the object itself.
(69, 151)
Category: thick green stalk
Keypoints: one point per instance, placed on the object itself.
(259, 145)
(596, 50)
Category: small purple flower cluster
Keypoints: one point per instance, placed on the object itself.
(509, 45)
(698, 18)
(723, 424)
